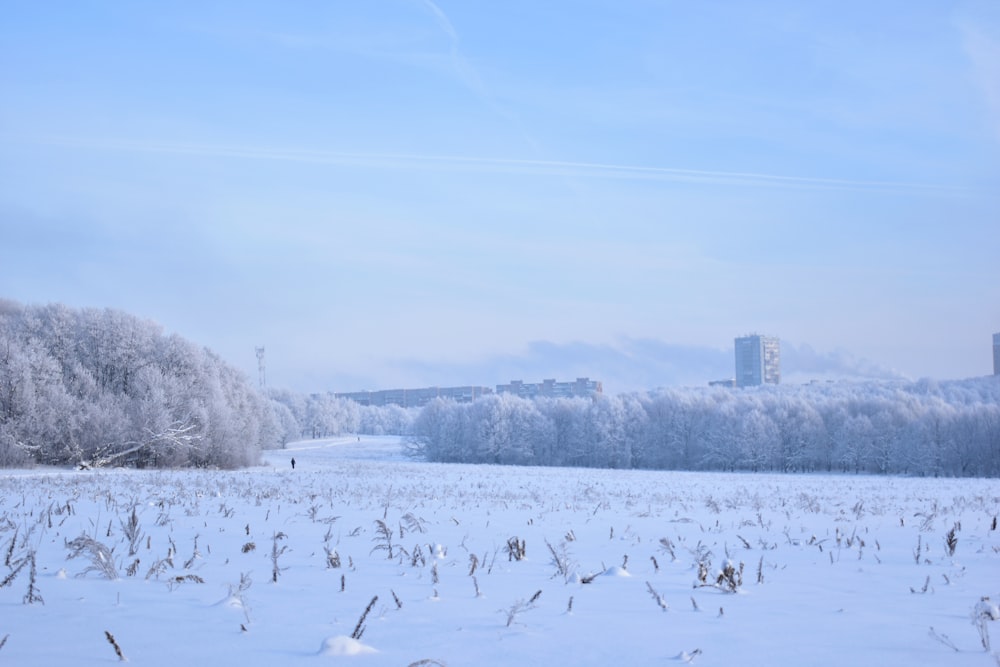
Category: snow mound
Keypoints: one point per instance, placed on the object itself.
(233, 602)
(987, 610)
(616, 571)
(341, 645)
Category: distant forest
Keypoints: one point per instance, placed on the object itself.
(922, 428)
(98, 387)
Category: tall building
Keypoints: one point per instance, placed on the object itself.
(996, 354)
(758, 360)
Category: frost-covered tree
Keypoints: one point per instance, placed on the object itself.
(386, 420)
(437, 434)
(101, 387)
(882, 428)
(567, 432)
(607, 433)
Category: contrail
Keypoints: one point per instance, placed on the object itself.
(464, 70)
(508, 165)
(442, 20)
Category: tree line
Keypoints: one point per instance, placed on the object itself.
(99, 387)
(323, 415)
(921, 428)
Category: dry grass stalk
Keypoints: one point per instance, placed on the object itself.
(657, 597)
(951, 541)
(730, 579)
(560, 558)
(195, 554)
(668, 546)
(275, 554)
(19, 565)
(983, 612)
(32, 596)
(944, 639)
(927, 583)
(118, 649)
(10, 549)
(413, 523)
(159, 567)
(359, 629)
(521, 606)
(132, 532)
(383, 535)
(417, 556)
(101, 558)
(515, 549)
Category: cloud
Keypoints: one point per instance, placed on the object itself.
(529, 167)
(466, 73)
(636, 364)
(442, 21)
(983, 51)
(802, 363)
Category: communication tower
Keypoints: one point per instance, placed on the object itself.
(261, 377)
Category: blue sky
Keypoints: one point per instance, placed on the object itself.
(407, 193)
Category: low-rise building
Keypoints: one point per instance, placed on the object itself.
(551, 389)
(415, 398)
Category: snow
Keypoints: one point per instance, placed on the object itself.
(344, 646)
(837, 570)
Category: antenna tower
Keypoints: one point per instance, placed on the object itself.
(261, 377)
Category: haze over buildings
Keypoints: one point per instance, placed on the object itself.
(419, 397)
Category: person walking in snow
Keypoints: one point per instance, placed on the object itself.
(293, 463)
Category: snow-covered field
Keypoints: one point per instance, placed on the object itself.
(478, 565)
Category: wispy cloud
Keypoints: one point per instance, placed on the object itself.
(463, 69)
(983, 51)
(529, 167)
(443, 21)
